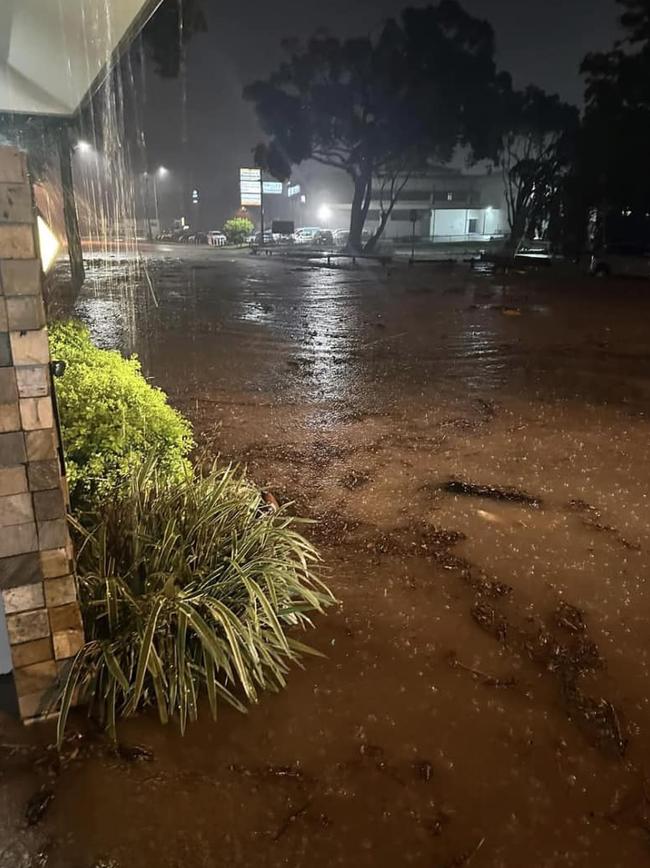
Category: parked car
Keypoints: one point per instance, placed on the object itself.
(306, 235)
(324, 238)
(269, 237)
(341, 237)
(623, 259)
(216, 238)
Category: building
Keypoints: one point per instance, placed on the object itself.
(449, 205)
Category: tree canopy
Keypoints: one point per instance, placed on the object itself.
(384, 107)
(537, 133)
(617, 118)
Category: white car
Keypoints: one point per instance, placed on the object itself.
(307, 235)
(216, 238)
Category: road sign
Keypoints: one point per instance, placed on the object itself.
(250, 187)
(293, 191)
(273, 188)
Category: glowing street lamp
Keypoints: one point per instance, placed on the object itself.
(83, 147)
(324, 213)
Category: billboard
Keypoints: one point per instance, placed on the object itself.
(283, 227)
(272, 188)
(250, 187)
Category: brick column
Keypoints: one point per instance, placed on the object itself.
(36, 578)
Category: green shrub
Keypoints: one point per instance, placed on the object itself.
(112, 420)
(188, 587)
(238, 229)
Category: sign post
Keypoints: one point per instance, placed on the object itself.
(253, 188)
(414, 219)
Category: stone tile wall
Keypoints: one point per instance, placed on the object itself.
(36, 572)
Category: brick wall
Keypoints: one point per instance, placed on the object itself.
(36, 578)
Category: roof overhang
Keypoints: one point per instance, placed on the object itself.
(54, 53)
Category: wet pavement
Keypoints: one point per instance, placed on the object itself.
(475, 449)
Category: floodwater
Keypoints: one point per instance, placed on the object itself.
(483, 699)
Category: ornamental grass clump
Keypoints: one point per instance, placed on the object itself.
(188, 587)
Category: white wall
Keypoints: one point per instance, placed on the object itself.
(449, 221)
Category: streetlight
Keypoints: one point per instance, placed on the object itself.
(324, 213)
(83, 147)
(161, 172)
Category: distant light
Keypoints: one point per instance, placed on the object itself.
(162, 171)
(488, 209)
(84, 147)
(303, 199)
(324, 213)
(48, 243)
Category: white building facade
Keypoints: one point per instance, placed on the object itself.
(449, 206)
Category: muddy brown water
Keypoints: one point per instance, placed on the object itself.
(483, 700)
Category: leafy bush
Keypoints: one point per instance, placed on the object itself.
(238, 229)
(185, 587)
(112, 419)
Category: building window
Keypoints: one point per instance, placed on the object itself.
(472, 226)
(450, 197)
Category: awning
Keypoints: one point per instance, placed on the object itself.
(53, 53)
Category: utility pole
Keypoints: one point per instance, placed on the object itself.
(262, 208)
(155, 200)
(75, 252)
(146, 206)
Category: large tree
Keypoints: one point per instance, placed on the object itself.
(537, 134)
(616, 139)
(378, 109)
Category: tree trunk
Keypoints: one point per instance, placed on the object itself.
(359, 212)
(75, 253)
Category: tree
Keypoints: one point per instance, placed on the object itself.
(537, 134)
(237, 229)
(380, 109)
(167, 33)
(616, 137)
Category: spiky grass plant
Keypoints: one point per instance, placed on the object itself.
(188, 587)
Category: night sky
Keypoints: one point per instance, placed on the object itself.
(544, 46)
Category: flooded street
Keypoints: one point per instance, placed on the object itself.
(474, 449)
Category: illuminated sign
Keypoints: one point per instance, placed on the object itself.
(272, 188)
(250, 187)
(293, 191)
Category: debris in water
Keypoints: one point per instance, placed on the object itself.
(465, 858)
(570, 618)
(271, 501)
(483, 677)
(137, 753)
(290, 819)
(489, 619)
(592, 518)
(424, 770)
(471, 489)
(38, 805)
(353, 480)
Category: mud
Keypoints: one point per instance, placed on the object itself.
(483, 696)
